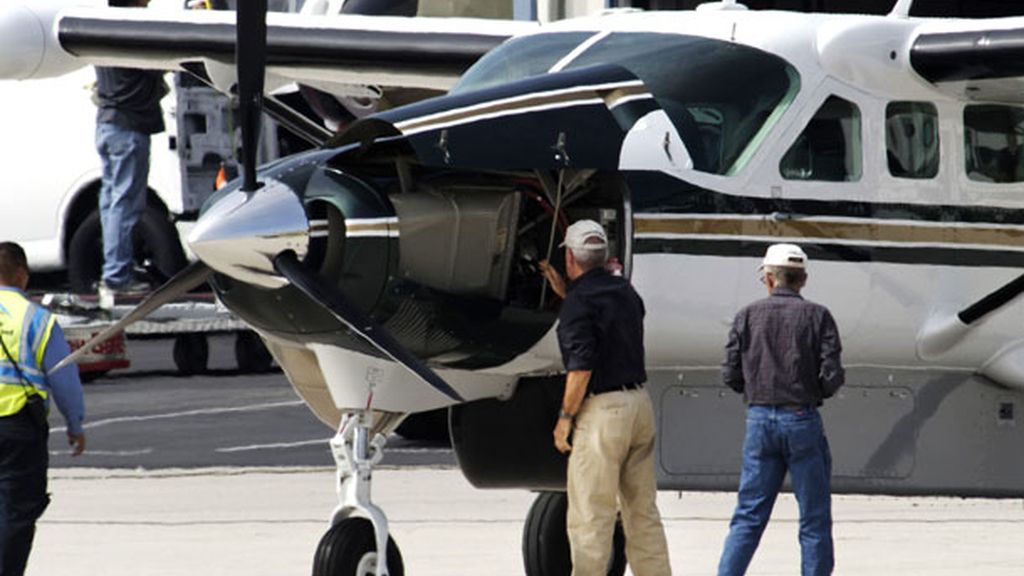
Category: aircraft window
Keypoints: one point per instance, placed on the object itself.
(912, 139)
(994, 143)
(718, 95)
(829, 148)
(519, 58)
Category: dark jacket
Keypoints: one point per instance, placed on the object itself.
(130, 98)
(783, 350)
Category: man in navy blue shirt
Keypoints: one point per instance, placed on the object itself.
(607, 411)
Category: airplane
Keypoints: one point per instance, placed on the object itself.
(393, 268)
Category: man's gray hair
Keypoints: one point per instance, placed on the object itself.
(592, 254)
(787, 276)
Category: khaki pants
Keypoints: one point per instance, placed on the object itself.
(611, 468)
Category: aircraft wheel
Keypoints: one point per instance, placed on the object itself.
(157, 250)
(191, 353)
(251, 354)
(349, 549)
(546, 543)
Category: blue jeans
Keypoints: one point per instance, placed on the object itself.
(777, 440)
(125, 157)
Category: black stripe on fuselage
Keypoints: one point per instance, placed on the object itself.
(373, 49)
(657, 193)
(823, 251)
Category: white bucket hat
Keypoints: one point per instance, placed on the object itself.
(785, 255)
(576, 236)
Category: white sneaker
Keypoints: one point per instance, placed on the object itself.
(106, 296)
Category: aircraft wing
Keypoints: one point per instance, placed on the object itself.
(976, 63)
(333, 52)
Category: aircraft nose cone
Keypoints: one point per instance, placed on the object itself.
(242, 233)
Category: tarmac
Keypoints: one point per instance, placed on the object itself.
(267, 522)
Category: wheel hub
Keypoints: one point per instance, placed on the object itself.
(367, 565)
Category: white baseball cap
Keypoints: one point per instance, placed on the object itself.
(576, 236)
(786, 255)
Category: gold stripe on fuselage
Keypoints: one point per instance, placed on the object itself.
(369, 229)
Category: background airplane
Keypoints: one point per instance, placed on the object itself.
(393, 270)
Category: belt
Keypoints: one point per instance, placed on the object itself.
(621, 388)
(787, 407)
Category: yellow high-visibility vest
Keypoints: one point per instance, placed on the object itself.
(25, 328)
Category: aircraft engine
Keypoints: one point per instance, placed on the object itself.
(443, 264)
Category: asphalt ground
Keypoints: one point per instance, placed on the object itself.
(150, 417)
(267, 522)
(227, 473)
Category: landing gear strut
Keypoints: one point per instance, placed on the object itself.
(359, 528)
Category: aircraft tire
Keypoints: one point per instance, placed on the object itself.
(157, 250)
(345, 550)
(251, 354)
(191, 353)
(546, 543)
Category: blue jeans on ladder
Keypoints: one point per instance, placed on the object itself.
(781, 439)
(125, 157)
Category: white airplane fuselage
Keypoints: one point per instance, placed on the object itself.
(902, 256)
(881, 307)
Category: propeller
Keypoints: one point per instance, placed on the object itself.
(193, 275)
(251, 59)
(250, 54)
(310, 283)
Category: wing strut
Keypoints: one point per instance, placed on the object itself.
(941, 334)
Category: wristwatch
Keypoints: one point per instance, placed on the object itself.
(563, 415)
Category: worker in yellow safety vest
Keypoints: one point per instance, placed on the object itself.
(31, 343)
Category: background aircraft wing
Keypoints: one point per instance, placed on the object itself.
(976, 63)
(335, 53)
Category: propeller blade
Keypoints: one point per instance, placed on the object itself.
(288, 265)
(251, 58)
(192, 276)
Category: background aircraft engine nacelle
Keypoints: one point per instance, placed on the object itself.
(28, 46)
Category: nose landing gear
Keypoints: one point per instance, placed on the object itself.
(359, 528)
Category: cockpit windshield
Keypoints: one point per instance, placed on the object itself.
(519, 58)
(722, 97)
